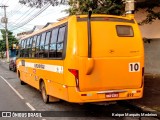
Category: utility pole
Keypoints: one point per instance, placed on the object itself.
(5, 21)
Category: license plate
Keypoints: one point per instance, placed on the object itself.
(112, 95)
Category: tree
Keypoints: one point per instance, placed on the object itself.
(98, 6)
(11, 40)
(2, 48)
(115, 7)
(149, 6)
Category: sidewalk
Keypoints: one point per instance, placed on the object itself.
(151, 95)
(3, 60)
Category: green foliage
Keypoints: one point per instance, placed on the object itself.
(11, 40)
(98, 6)
(114, 7)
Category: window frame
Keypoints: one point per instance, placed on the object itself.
(61, 42)
(37, 47)
(30, 46)
(124, 26)
(40, 34)
(41, 44)
(48, 44)
(56, 28)
(34, 48)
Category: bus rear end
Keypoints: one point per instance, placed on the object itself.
(115, 69)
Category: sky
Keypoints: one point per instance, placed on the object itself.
(19, 14)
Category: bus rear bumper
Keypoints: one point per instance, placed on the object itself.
(99, 96)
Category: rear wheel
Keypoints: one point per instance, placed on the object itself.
(45, 97)
(22, 83)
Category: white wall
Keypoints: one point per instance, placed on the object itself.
(148, 30)
(152, 48)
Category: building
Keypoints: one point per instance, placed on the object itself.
(35, 28)
(151, 37)
(23, 34)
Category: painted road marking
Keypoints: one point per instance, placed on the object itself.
(13, 88)
(30, 106)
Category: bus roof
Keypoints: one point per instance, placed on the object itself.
(65, 19)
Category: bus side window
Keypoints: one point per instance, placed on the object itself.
(30, 47)
(21, 48)
(24, 47)
(46, 45)
(60, 41)
(52, 48)
(27, 48)
(41, 52)
(37, 45)
(34, 46)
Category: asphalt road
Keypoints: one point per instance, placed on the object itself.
(15, 97)
(9, 101)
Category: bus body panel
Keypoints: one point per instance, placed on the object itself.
(112, 55)
(52, 77)
(110, 73)
(93, 96)
(71, 60)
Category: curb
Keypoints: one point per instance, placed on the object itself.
(3, 61)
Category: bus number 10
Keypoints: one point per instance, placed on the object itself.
(134, 67)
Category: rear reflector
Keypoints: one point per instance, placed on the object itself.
(138, 91)
(89, 94)
(83, 94)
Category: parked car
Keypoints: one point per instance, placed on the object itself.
(12, 64)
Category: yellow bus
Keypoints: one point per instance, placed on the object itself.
(84, 59)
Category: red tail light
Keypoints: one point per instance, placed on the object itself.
(76, 74)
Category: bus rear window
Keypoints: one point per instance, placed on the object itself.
(124, 31)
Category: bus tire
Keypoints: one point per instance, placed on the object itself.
(45, 97)
(22, 82)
